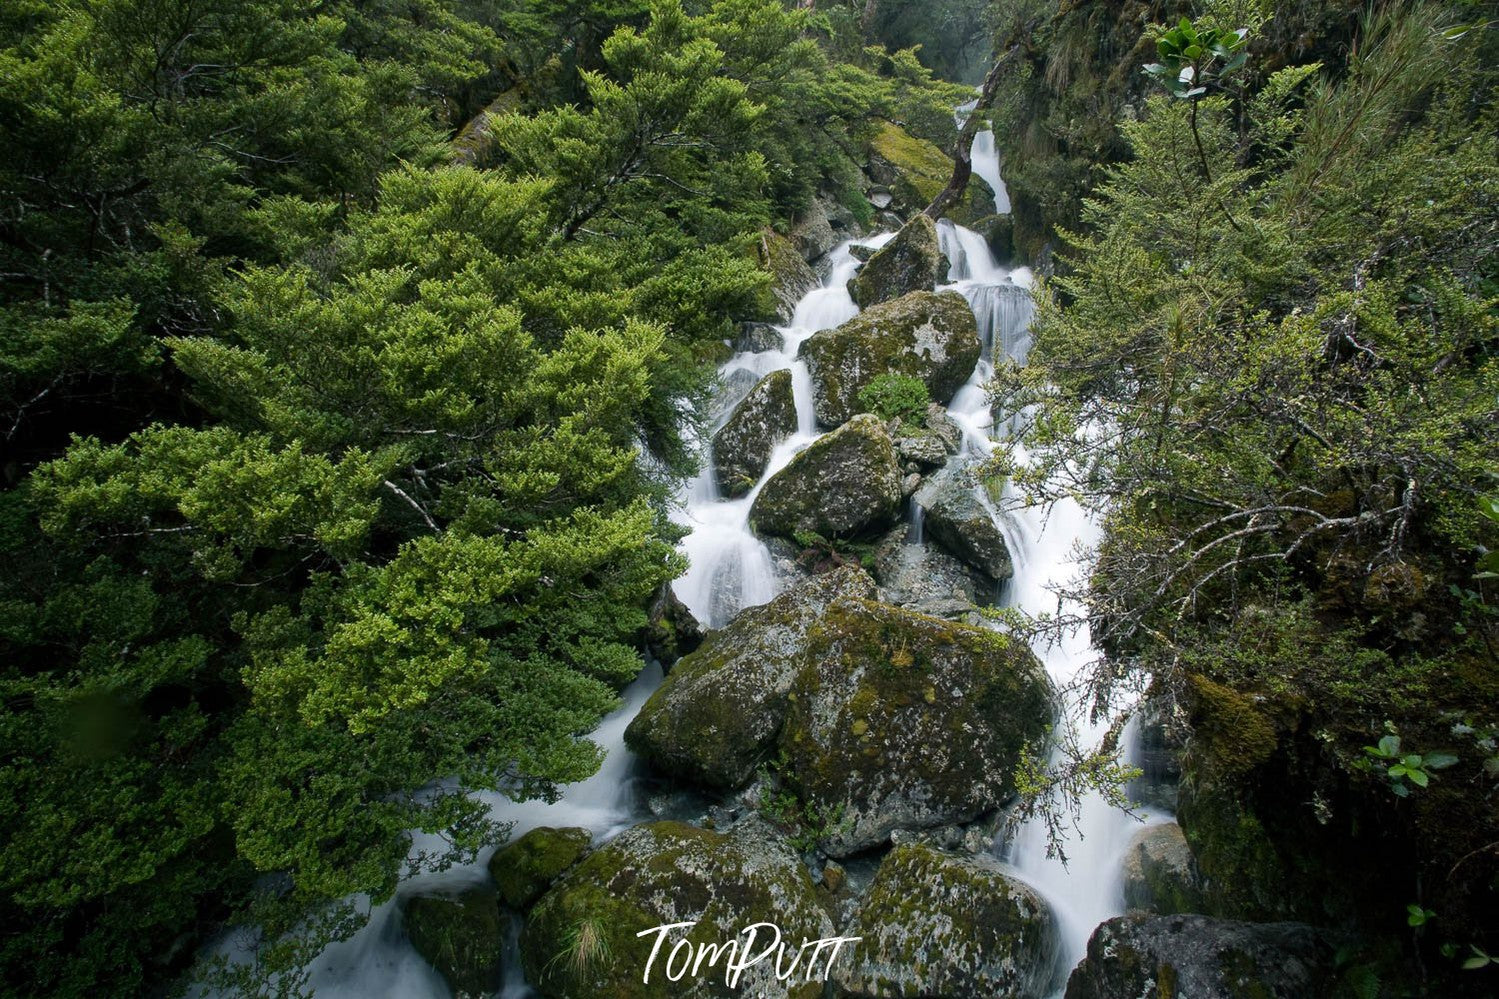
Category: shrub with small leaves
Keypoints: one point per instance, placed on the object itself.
(896, 397)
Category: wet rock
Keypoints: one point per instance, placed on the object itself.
(910, 484)
(927, 335)
(671, 631)
(925, 450)
(861, 252)
(912, 261)
(813, 234)
(760, 338)
(717, 715)
(730, 392)
(846, 484)
(462, 936)
(914, 170)
(524, 869)
(580, 939)
(901, 720)
(939, 924)
(939, 424)
(1159, 875)
(1204, 958)
(926, 579)
(790, 276)
(960, 523)
(743, 445)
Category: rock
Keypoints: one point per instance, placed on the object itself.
(914, 170)
(926, 579)
(927, 335)
(900, 720)
(957, 521)
(861, 252)
(1204, 958)
(760, 338)
(939, 924)
(730, 392)
(1159, 875)
(717, 715)
(834, 877)
(909, 485)
(880, 198)
(580, 940)
(671, 631)
(846, 484)
(813, 234)
(912, 261)
(925, 450)
(790, 276)
(462, 936)
(942, 425)
(525, 869)
(742, 446)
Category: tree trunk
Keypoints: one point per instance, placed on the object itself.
(962, 154)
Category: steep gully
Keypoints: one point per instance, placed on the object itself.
(731, 569)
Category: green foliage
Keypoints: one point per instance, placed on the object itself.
(896, 397)
(807, 823)
(1417, 768)
(1191, 58)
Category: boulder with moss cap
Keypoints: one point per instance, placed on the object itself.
(461, 935)
(743, 445)
(846, 484)
(523, 870)
(912, 261)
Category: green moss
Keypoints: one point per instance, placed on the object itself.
(461, 936)
(1233, 735)
(922, 169)
(524, 869)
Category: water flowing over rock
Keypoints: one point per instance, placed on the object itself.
(1159, 875)
(900, 720)
(462, 936)
(791, 278)
(940, 924)
(1204, 958)
(926, 579)
(912, 261)
(760, 338)
(846, 484)
(928, 335)
(580, 940)
(730, 392)
(717, 716)
(958, 521)
(742, 446)
(523, 870)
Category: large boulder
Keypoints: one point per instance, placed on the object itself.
(525, 869)
(913, 171)
(927, 335)
(956, 519)
(790, 276)
(912, 261)
(742, 446)
(903, 721)
(717, 716)
(728, 392)
(461, 935)
(1204, 958)
(845, 484)
(581, 941)
(926, 579)
(939, 924)
(1159, 875)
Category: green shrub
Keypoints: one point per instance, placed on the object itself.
(894, 397)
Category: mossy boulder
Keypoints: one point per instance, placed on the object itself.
(525, 869)
(742, 446)
(927, 335)
(462, 936)
(903, 721)
(671, 630)
(957, 520)
(790, 277)
(580, 941)
(926, 579)
(1204, 958)
(914, 170)
(717, 715)
(1160, 876)
(846, 484)
(941, 924)
(912, 261)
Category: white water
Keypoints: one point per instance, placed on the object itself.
(732, 569)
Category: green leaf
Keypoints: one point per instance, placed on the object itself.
(1420, 778)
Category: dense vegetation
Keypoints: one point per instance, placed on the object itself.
(1268, 356)
(337, 455)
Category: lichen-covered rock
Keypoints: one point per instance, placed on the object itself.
(944, 428)
(729, 391)
(900, 720)
(927, 335)
(525, 869)
(718, 713)
(580, 940)
(462, 936)
(742, 446)
(845, 484)
(671, 631)
(912, 261)
(960, 523)
(758, 338)
(923, 449)
(813, 234)
(1159, 875)
(926, 579)
(939, 924)
(790, 276)
(1204, 958)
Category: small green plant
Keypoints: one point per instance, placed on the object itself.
(1191, 58)
(1406, 769)
(1416, 915)
(809, 824)
(897, 397)
(583, 947)
(1488, 561)
(1480, 959)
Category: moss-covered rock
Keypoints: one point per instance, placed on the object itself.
(717, 715)
(927, 335)
(729, 391)
(912, 261)
(671, 631)
(790, 276)
(580, 941)
(914, 170)
(525, 869)
(1174, 957)
(926, 579)
(1159, 874)
(903, 721)
(957, 520)
(846, 484)
(742, 446)
(462, 936)
(939, 924)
